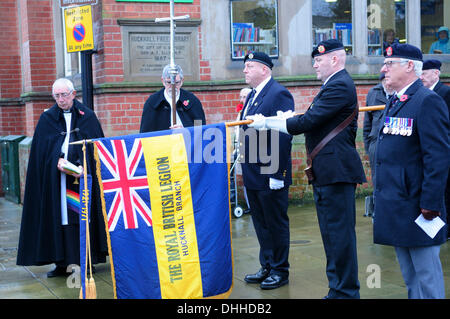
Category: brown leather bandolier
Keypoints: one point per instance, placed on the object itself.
(310, 156)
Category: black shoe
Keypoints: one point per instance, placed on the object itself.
(257, 278)
(59, 271)
(274, 281)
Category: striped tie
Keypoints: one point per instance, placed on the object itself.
(249, 102)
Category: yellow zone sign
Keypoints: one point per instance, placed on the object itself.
(79, 31)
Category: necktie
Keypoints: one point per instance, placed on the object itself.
(249, 102)
(393, 102)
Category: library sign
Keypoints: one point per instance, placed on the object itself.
(79, 31)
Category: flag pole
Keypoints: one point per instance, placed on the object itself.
(361, 109)
(246, 122)
(91, 291)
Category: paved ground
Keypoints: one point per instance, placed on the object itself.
(307, 259)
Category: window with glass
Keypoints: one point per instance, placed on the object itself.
(435, 19)
(332, 19)
(254, 27)
(385, 24)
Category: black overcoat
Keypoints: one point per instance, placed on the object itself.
(411, 171)
(157, 112)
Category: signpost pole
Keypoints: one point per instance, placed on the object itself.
(86, 78)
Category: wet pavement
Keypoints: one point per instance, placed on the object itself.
(379, 272)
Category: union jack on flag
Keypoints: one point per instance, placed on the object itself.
(125, 183)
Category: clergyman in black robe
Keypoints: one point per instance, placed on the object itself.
(50, 224)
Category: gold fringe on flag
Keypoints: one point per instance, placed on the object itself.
(91, 290)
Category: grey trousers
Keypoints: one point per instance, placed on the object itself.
(422, 271)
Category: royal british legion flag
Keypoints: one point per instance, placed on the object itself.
(166, 205)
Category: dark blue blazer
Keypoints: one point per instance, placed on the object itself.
(256, 156)
(443, 91)
(411, 171)
(157, 112)
(338, 161)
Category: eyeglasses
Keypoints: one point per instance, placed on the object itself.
(388, 64)
(63, 95)
(168, 82)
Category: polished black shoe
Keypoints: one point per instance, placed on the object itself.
(59, 271)
(257, 278)
(274, 281)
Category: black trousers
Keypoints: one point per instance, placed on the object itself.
(335, 205)
(271, 222)
(447, 203)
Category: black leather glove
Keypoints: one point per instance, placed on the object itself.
(429, 214)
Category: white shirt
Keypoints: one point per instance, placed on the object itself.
(169, 99)
(402, 91)
(257, 89)
(331, 76)
(260, 87)
(432, 87)
(65, 150)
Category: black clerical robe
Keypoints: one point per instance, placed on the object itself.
(43, 238)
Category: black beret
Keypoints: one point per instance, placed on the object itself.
(260, 57)
(327, 46)
(431, 64)
(403, 50)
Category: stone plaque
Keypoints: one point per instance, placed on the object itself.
(150, 52)
(147, 51)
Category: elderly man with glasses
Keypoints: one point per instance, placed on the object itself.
(157, 113)
(50, 218)
(412, 161)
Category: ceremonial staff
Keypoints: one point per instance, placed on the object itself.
(361, 109)
(173, 71)
(245, 122)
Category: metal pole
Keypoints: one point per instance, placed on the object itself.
(86, 78)
(173, 70)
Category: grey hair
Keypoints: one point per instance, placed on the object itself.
(417, 66)
(166, 71)
(63, 82)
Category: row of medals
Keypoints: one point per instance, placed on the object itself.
(398, 126)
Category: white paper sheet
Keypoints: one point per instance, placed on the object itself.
(430, 227)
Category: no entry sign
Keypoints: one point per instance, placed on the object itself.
(79, 34)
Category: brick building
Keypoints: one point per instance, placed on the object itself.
(131, 48)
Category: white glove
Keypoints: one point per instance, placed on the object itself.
(275, 184)
(260, 122)
(285, 115)
(276, 123)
